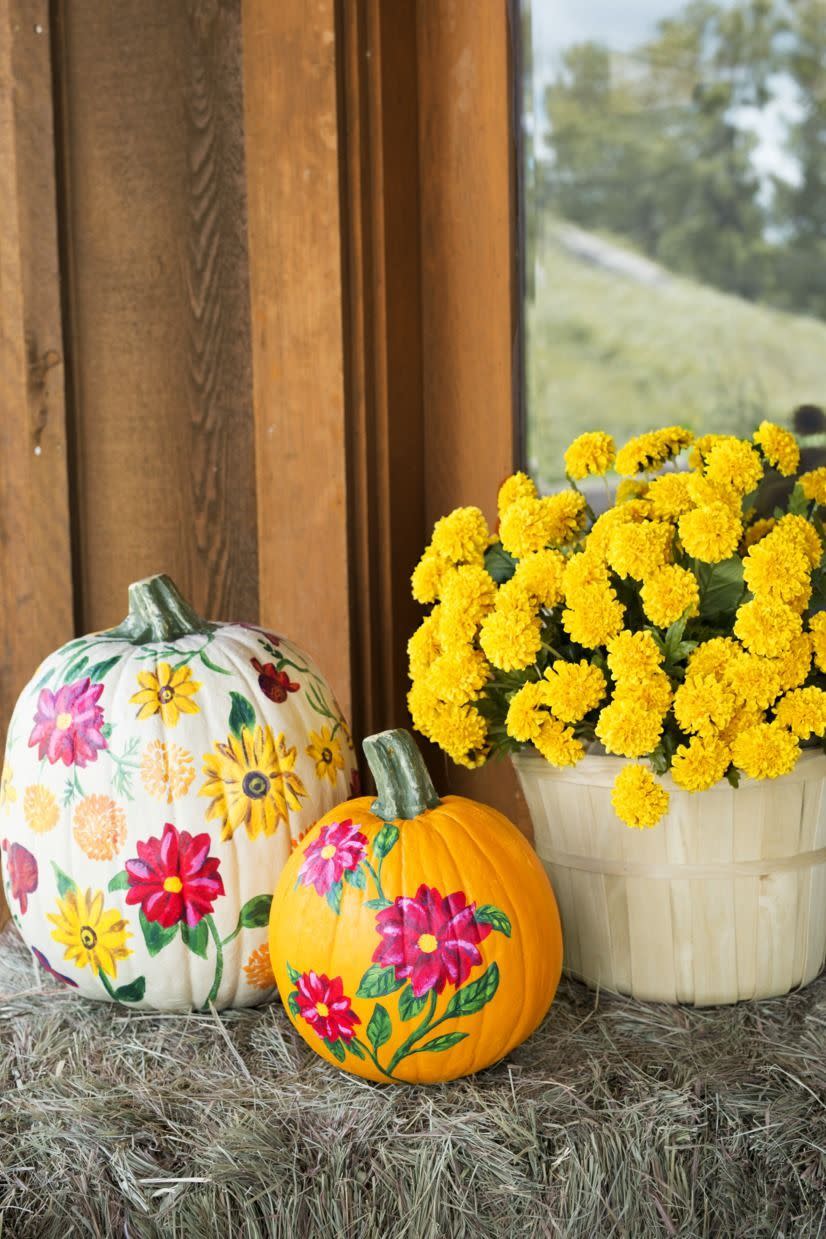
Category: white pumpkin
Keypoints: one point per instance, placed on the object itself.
(156, 779)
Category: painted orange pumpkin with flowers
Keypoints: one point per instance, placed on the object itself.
(414, 939)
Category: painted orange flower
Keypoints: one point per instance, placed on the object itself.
(100, 827)
(40, 809)
(259, 968)
(167, 770)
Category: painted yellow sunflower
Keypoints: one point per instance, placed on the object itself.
(326, 753)
(8, 792)
(259, 968)
(40, 808)
(252, 782)
(167, 770)
(169, 692)
(93, 938)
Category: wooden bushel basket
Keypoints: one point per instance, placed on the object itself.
(724, 900)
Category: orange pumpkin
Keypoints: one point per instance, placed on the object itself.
(414, 939)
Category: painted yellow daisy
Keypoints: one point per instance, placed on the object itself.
(326, 753)
(252, 782)
(168, 692)
(99, 827)
(93, 938)
(8, 792)
(40, 809)
(167, 770)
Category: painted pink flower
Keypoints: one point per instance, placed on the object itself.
(47, 967)
(68, 723)
(274, 684)
(325, 1006)
(174, 878)
(338, 849)
(21, 867)
(430, 940)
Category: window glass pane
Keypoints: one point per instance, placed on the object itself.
(674, 172)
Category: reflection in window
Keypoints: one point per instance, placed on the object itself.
(674, 175)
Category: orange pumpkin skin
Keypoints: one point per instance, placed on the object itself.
(497, 978)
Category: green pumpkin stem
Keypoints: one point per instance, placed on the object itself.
(159, 612)
(402, 781)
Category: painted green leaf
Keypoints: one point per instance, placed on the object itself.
(472, 997)
(292, 1003)
(377, 904)
(354, 1048)
(445, 1042)
(488, 914)
(99, 670)
(355, 877)
(74, 669)
(335, 1048)
(154, 935)
(334, 897)
(385, 840)
(721, 585)
(379, 1028)
(120, 882)
(133, 992)
(44, 679)
(207, 661)
(241, 715)
(377, 982)
(292, 973)
(196, 937)
(255, 912)
(64, 882)
(409, 1004)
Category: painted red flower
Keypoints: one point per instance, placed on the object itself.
(174, 878)
(274, 684)
(47, 967)
(326, 1007)
(430, 939)
(338, 849)
(68, 723)
(21, 867)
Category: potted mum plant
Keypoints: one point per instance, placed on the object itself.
(660, 667)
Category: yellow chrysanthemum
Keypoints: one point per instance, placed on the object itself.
(752, 678)
(700, 764)
(708, 491)
(581, 572)
(651, 694)
(425, 709)
(252, 782)
(756, 532)
(557, 743)
(669, 593)
(734, 463)
(640, 550)
(427, 578)
(777, 568)
(462, 732)
(99, 827)
(424, 646)
(40, 809)
(468, 595)
(574, 689)
(541, 575)
(93, 938)
(703, 446)
(779, 447)
(527, 710)
(765, 751)
(511, 637)
(565, 514)
(519, 486)
(591, 453)
(630, 488)
(167, 692)
(596, 618)
(703, 704)
(817, 628)
(813, 484)
(650, 451)
(766, 626)
(794, 664)
(461, 537)
(458, 675)
(167, 770)
(633, 655)
(638, 798)
(804, 534)
(529, 525)
(711, 533)
(627, 730)
(599, 535)
(745, 716)
(669, 496)
(325, 751)
(712, 657)
(803, 711)
(8, 792)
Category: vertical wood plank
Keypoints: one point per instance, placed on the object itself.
(157, 297)
(292, 158)
(35, 572)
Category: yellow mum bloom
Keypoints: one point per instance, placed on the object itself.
(706, 491)
(803, 711)
(650, 451)
(745, 716)
(633, 655)
(167, 692)
(425, 709)
(532, 524)
(754, 679)
(511, 637)
(630, 488)
(468, 596)
(582, 571)
(712, 657)
(93, 938)
(627, 730)
(424, 646)
(700, 764)
(574, 689)
(526, 711)
(540, 574)
(251, 781)
(734, 463)
(428, 575)
(669, 496)
(712, 533)
(461, 537)
(704, 704)
(591, 453)
(777, 568)
(756, 532)
(596, 618)
(599, 535)
(794, 663)
(779, 447)
(651, 694)
(639, 550)
(804, 534)
(766, 626)
(669, 593)
(813, 484)
(638, 798)
(458, 675)
(557, 743)
(702, 447)
(765, 751)
(519, 486)
(462, 732)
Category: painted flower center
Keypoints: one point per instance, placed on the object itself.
(173, 884)
(427, 943)
(256, 785)
(326, 756)
(328, 851)
(165, 695)
(88, 937)
(63, 721)
(322, 1009)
